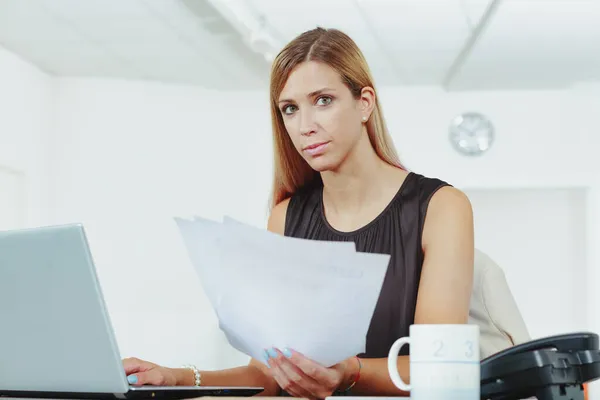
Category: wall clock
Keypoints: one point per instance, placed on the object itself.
(471, 133)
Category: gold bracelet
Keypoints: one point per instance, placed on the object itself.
(197, 377)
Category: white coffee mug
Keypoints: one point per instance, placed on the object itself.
(444, 362)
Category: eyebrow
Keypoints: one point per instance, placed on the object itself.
(311, 94)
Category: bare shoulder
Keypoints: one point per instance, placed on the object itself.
(276, 221)
(449, 210)
(449, 198)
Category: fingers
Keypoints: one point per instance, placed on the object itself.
(290, 386)
(140, 372)
(312, 369)
(321, 381)
(152, 377)
(292, 379)
(284, 382)
(132, 365)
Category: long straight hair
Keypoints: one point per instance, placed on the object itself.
(337, 50)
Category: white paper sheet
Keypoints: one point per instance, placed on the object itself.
(201, 238)
(268, 290)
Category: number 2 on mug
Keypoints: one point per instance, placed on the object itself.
(438, 345)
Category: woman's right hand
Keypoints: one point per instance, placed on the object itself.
(140, 372)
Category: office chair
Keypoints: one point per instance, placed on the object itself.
(494, 308)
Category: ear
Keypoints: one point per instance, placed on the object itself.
(367, 101)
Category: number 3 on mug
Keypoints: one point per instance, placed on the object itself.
(469, 351)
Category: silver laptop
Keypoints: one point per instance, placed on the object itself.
(56, 338)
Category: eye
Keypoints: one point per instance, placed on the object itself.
(324, 100)
(288, 109)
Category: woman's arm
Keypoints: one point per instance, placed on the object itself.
(445, 285)
(140, 372)
(254, 374)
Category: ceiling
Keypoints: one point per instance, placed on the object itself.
(224, 44)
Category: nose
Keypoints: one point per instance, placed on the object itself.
(307, 123)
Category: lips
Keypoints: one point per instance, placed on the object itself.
(316, 148)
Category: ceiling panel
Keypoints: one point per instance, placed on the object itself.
(188, 72)
(417, 16)
(527, 43)
(133, 39)
(95, 9)
(422, 38)
(535, 44)
(215, 42)
(22, 22)
(123, 30)
(63, 60)
(292, 18)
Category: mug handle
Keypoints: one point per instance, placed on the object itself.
(393, 363)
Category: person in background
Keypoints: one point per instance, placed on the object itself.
(337, 177)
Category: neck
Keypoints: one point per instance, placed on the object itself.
(362, 178)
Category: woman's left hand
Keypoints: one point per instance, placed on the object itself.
(302, 377)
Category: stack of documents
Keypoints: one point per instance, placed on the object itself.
(268, 290)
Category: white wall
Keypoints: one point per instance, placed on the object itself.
(542, 137)
(26, 114)
(132, 155)
(12, 199)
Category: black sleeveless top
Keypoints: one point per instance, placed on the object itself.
(396, 231)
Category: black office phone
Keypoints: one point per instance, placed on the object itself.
(551, 368)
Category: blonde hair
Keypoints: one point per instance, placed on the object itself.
(340, 52)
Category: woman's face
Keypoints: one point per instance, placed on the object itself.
(322, 118)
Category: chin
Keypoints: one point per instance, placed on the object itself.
(323, 164)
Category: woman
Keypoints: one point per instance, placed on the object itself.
(337, 177)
